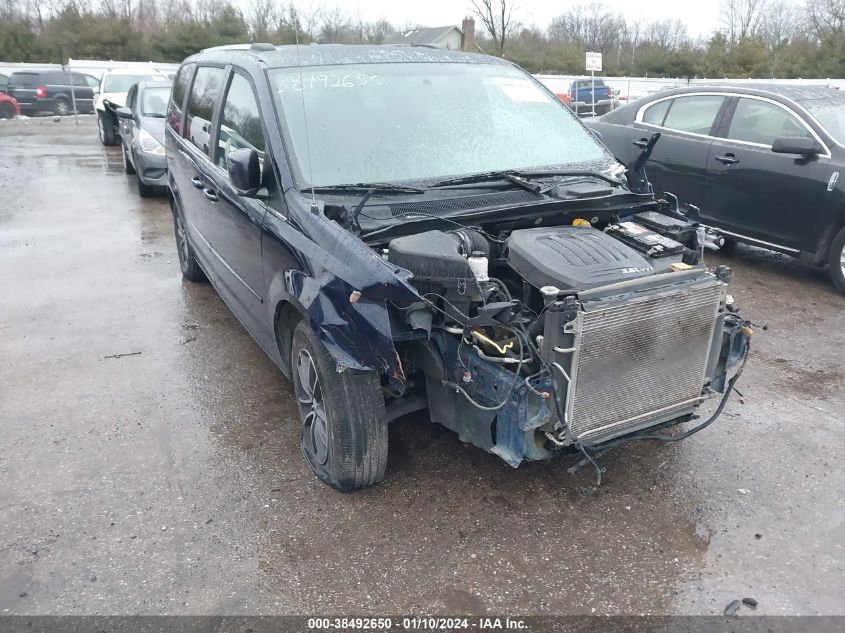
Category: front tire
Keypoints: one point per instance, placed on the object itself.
(127, 164)
(187, 257)
(105, 128)
(7, 111)
(344, 422)
(145, 190)
(836, 260)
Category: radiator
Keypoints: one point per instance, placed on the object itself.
(642, 360)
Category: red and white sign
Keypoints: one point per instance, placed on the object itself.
(594, 62)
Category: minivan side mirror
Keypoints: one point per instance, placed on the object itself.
(244, 170)
(124, 112)
(796, 145)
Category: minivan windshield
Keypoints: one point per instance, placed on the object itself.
(829, 111)
(377, 123)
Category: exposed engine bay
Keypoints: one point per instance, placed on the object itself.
(572, 337)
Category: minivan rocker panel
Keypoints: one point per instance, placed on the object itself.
(403, 228)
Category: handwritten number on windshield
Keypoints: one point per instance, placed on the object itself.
(327, 81)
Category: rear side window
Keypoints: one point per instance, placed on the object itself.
(205, 91)
(57, 79)
(693, 114)
(177, 97)
(655, 114)
(240, 125)
(23, 80)
(756, 121)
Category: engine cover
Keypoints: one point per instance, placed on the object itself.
(573, 258)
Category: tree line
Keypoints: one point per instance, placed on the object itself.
(756, 38)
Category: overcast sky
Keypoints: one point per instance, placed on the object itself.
(701, 17)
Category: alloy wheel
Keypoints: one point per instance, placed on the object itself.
(62, 108)
(315, 426)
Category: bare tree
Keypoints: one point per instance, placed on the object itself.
(741, 18)
(780, 24)
(261, 17)
(590, 26)
(497, 18)
(825, 16)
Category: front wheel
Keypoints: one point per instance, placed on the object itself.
(7, 110)
(344, 422)
(105, 129)
(145, 190)
(127, 164)
(836, 260)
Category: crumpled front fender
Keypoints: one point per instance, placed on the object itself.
(344, 290)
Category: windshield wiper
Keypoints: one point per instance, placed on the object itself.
(154, 115)
(491, 176)
(368, 187)
(523, 178)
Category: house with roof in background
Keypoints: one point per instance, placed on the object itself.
(449, 37)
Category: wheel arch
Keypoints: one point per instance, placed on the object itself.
(823, 248)
(286, 317)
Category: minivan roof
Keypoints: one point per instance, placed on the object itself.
(339, 54)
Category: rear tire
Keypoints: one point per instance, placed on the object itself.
(187, 257)
(7, 111)
(344, 422)
(105, 128)
(61, 107)
(836, 260)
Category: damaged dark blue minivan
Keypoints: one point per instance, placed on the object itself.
(406, 228)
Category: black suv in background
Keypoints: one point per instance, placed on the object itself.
(53, 91)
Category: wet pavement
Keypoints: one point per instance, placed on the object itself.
(169, 479)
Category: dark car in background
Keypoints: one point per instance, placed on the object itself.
(405, 228)
(53, 91)
(763, 163)
(4, 79)
(142, 134)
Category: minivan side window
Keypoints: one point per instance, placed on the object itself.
(208, 83)
(693, 114)
(756, 121)
(177, 97)
(240, 125)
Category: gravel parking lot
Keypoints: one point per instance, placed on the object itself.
(150, 458)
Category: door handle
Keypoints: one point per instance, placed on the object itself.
(727, 159)
(196, 182)
(641, 143)
(210, 194)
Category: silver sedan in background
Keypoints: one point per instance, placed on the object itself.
(142, 134)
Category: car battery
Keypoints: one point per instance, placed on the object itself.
(648, 242)
(674, 228)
